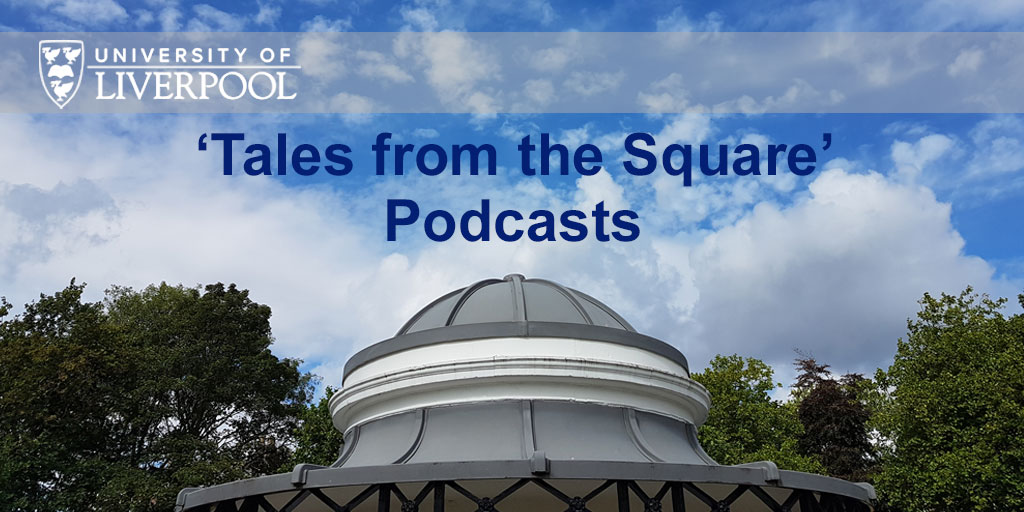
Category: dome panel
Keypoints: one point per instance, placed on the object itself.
(489, 303)
(546, 303)
(600, 314)
(434, 315)
(514, 299)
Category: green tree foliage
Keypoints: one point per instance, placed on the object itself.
(318, 441)
(119, 404)
(745, 424)
(835, 420)
(952, 409)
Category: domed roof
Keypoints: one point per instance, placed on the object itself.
(514, 307)
(514, 298)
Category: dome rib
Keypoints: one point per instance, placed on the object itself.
(460, 306)
(519, 300)
(466, 294)
(568, 295)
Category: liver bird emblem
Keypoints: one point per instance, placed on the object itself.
(60, 69)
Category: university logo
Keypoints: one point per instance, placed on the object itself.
(60, 68)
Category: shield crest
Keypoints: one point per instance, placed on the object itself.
(60, 68)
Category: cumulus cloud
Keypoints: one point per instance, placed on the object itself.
(835, 272)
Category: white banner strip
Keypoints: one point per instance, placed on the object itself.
(485, 73)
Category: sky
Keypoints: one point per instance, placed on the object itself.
(829, 264)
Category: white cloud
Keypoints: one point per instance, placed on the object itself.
(677, 21)
(267, 15)
(426, 133)
(938, 15)
(169, 19)
(321, 55)
(799, 96)
(551, 59)
(92, 13)
(143, 17)
(419, 19)
(455, 65)
(129, 201)
(345, 103)
(911, 158)
(210, 19)
(319, 23)
(590, 83)
(376, 65)
(967, 61)
(667, 95)
(837, 273)
(998, 149)
(539, 92)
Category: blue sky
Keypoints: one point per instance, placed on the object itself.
(830, 264)
(531, 15)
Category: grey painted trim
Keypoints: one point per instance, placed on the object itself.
(771, 470)
(637, 437)
(516, 469)
(691, 435)
(529, 431)
(513, 330)
(417, 439)
(348, 445)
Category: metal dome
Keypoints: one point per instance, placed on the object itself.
(514, 307)
(514, 298)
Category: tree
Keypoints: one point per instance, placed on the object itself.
(952, 413)
(59, 377)
(745, 424)
(835, 418)
(319, 442)
(117, 405)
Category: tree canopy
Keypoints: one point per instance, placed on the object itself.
(745, 424)
(952, 409)
(835, 418)
(319, 442)
(119, 404)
